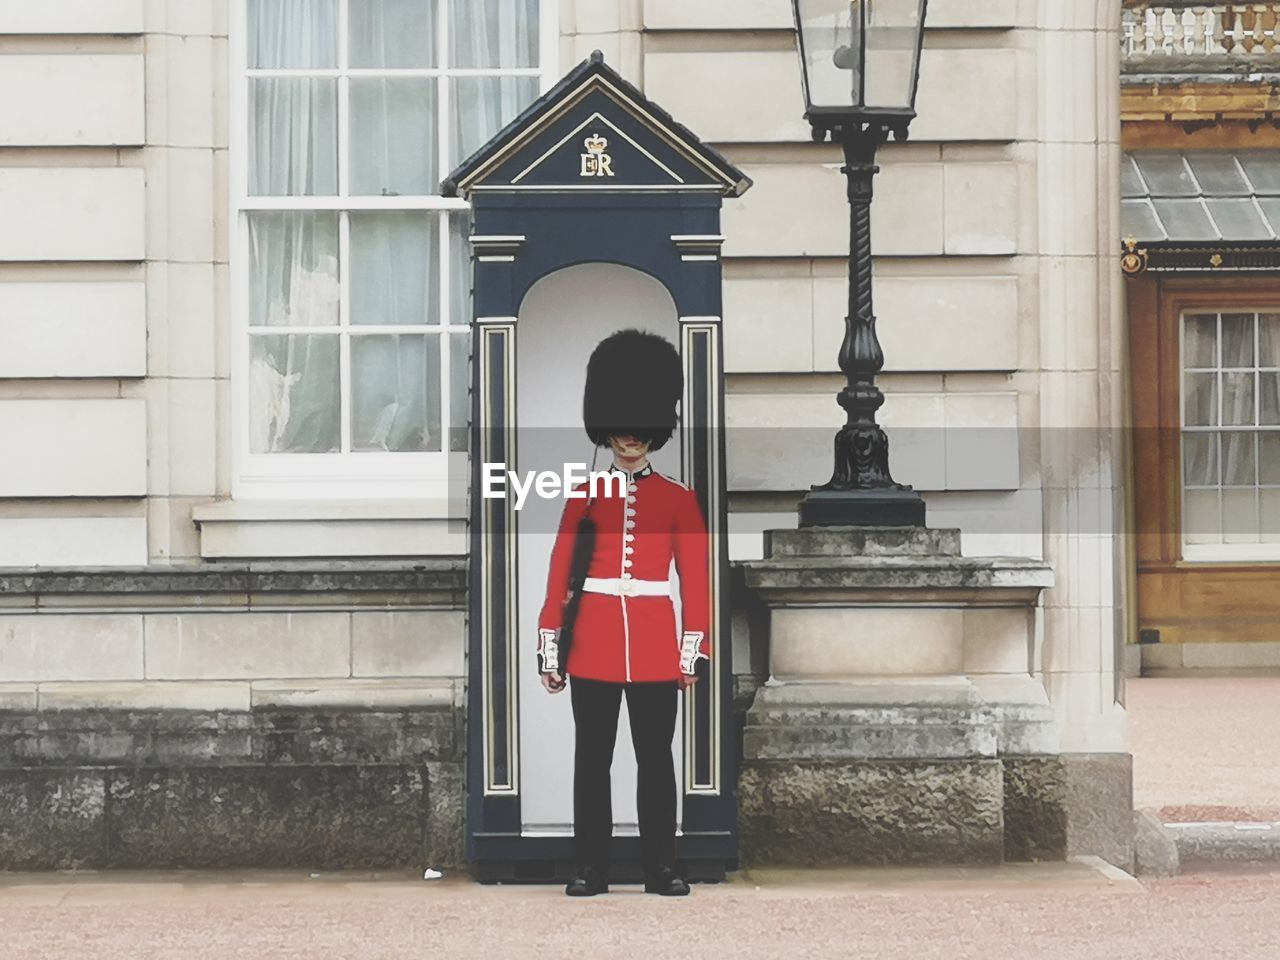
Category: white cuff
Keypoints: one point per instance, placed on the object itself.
(691, 652)
(550, 651)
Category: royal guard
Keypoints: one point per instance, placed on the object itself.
(608, 626)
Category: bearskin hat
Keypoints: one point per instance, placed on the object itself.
(634, 381)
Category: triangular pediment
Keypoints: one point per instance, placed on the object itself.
(594, 131)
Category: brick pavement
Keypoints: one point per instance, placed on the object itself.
(1206, 748)
(1049, 912)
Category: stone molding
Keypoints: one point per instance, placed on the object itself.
(429, 582)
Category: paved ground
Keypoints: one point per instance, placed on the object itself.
(1203, 749)
(1045, 912)
(1206, 748)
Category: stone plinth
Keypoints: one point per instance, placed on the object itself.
(900, 707)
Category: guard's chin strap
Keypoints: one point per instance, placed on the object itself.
(595, 455)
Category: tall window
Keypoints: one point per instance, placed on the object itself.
(1231, 434)
(352, 272)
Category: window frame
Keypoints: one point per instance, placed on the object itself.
(351, 475)
(1227, 551)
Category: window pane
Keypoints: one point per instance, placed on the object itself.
(1239, 516)
(1239, 458)
(1237, 399)
(1138, 220)
(1269, 335)
(1131, 184)
(1269, 458)
(1271, 210)
(460, 258)
(1238, 220)
(1237, 339)
(459, 383)
(1185, 219)
(395, 268)
(1201, 399)
(1201, 517)
(1200, 459)
(1200, 338)
(1269, 401)
(293, 269)
(1166, 174)
(1263, 170)
(395, 393)
(393, 33)
(1269, 528)
(482, 106)
(293, 400)
(293, 137)
(393, 137)
(891, 51)
(294, 34)
(1218, 174)
(493, 33)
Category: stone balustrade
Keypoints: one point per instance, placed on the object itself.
(1182, 30)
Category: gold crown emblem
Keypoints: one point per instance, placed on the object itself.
(596, 144)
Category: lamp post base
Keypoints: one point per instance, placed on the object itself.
(862, 508)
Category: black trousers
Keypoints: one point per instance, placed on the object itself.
(651, 708)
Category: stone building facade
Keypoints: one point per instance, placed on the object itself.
(230, 634)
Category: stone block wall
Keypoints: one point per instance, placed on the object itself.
(233, 715)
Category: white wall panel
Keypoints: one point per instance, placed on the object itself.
(72, 213)
(758, 95)
(73, 448)
(800, 210)
(73, 542)
(954, 82)
(73, 329)
(988, 14)
(70, 100)
(926, 323)
(936, 441)
(71, 16)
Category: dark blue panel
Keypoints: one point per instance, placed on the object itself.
(632, 230)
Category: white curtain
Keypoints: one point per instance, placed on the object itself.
(393, 33)
(494, 33)
(395, 393)
(293, 34)
(293, 127)
(394, 124)
(293, 137)
(293, 379)
(394, 149)
(489, 34)
(395, 268)
(1239, 447)
(395, 379)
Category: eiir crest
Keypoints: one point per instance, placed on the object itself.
(595, 162)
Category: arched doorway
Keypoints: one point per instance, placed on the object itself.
(561, 319)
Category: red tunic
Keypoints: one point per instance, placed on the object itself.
(628, 634)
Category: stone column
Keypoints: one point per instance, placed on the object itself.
(899, 695)
(1082, 413)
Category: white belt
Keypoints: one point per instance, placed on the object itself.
(618, 587)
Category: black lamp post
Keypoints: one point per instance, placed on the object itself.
(861, 61)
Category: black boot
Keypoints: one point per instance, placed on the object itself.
(587, 882)
(666, 883)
